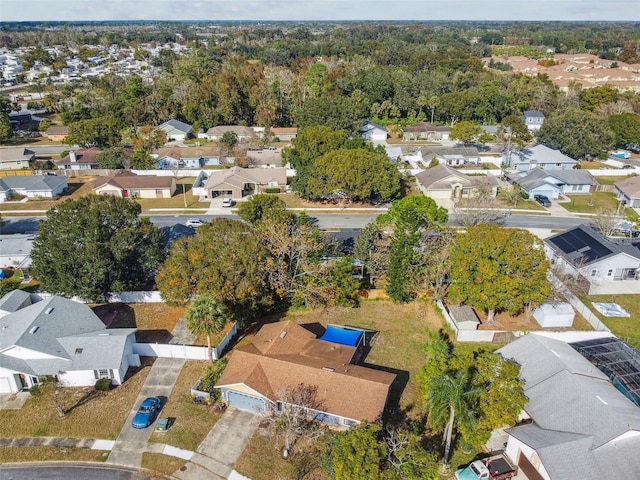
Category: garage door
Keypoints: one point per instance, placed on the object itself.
(245, 402)
(546, 193)
(527, 468)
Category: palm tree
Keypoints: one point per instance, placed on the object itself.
(450, 403)
(205, 314)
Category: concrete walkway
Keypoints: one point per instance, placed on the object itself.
(214, 459)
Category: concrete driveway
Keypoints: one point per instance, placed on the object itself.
(131, 442)
(222, 447)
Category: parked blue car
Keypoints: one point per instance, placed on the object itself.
(146, 413)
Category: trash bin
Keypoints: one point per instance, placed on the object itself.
(162, 424)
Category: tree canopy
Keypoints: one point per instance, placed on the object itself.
(498, 269)
(95, 245)
(626, 128)
(577, 133)
(359, 175)
(225, 259)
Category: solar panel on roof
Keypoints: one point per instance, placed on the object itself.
(578, 240)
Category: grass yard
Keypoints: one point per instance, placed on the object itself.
(192, 421)
(47, 454)
(402, 330)
(261, 460)
(90, 414)
(612, 180)
(627, 328)
(590, 203)
(178, 199)
(164, 464)
(586, 165)
(154, 321)
(78, 186)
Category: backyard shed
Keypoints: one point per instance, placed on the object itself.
(464, 317)
(554, 314)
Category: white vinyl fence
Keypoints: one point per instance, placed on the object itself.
(188, 352)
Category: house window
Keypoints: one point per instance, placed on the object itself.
(609, 273)
(135, 193)
(18, 163)
(159, 191)
(575, 187)
(98, 374)
(594, 272)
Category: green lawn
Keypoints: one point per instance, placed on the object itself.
(627, 328)
(611, 180)
(590, 203)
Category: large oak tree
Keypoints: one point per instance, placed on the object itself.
(95, 245)
(498, 269)
(225, 259)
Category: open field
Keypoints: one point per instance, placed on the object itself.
(90, 413)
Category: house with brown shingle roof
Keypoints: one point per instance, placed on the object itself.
(284, 355)
(628, 191)
(80, 159)
(237, 182)
(57, 133)
(284, 134)
(129, 185)
(443, 182)
(243, 133)
(425, 131)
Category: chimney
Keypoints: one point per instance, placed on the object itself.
(72, 156)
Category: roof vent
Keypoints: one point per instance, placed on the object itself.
(78, 351)
(48, 311)
(283, 334)
(104, 334)
(328, 369)
(34, 329)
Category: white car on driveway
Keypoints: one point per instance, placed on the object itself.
(227, 202)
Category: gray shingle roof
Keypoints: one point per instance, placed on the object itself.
(56, 328)
(582, 423)
(32, 182)
(540, 154)
(175, 125)
(14, 301)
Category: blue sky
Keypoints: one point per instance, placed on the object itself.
(31, 10)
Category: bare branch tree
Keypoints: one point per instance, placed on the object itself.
(606, 221)
(477, 210)
(295, 415)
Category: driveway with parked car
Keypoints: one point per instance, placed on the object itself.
(542, 200)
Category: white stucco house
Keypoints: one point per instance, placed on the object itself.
(32, 186)
(552, 183)
(175, 130)
(583, 251)
(60, 338)
(538, 156)
(373, 132)
(533, 119)
(576, 423)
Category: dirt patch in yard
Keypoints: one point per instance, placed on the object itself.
(154, 321)
(505, 321)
